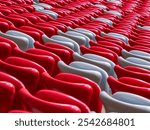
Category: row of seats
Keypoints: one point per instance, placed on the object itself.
(74, 56)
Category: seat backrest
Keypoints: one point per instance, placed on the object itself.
(80, 91)
(7, 94)
(45, 61)
(94, 106)
(116, 105)
(125, 72)
(58, 97)
(116, 86)
(5, 50)
(36, 105)
(28, 76)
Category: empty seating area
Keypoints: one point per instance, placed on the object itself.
(74, 56)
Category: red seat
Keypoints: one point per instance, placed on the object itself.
(54, 96)
(107, 55)
(32, 103)
(7, 94)
(101, 49)
(46, 53)
(81, 91)
(114, 47)
(11, 43)
(29, 76)
(95, 103)
(5, 50)
(46, 61)
(63, 52)
(132, 71)
(58, 84)
(138, 47)
(131, 85)
(111, 39)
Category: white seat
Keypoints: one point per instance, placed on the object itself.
(81, 39)
(105, 20)
(131, 98)
(90, 74)
(86, 66)
(103, 59)
(49, 12)
(136, 53)
(144, 27)
(44, 5)
(117, 35)
(102, 64)
(114, 12)
(17, 33)
(132, 61)
(125, 103)
(86, 32)
(101, 6)
(115, 1)
(22, 42)
(37, 8)
(63, 41)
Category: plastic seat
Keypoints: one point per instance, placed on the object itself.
(114, 12)
(117, 35)
(46, 53)
(46, 61)
(102, 49)
(54, 96)
(144, 27)
(95, 104)
(111, 39)
(86, 66)
(63, 41)
(30, 76)
(132, 71)
(63, 52)
(108, 45)
(22, 62)
(17, 33)
(103, 59)
(93, 75)
(58, 25)
(7, 94)
(44, 5)
(5, 50)
(102, 64)
(75, 46)
(49, 12)
(125, 102)
(81, 91)
(81, 39)
(22, 42)
(97, 51)
(32, 103)
(131, 85)
(18, 85)
(136, 53)
(86, 32)
(100, 6)
(137, 47)
(140, 42)
(132, 61)
(105, 20)
(53, 82)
